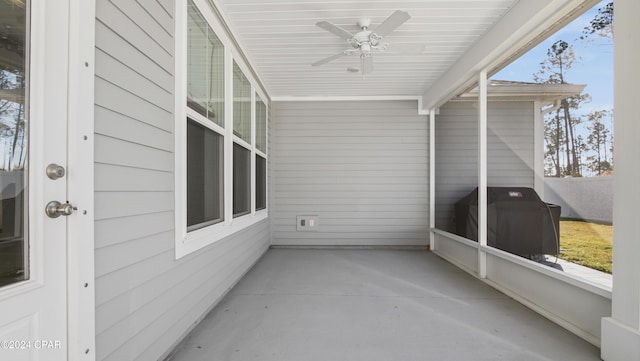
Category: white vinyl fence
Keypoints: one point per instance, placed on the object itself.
(589, 198)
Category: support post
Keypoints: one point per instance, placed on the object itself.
(538, 146)
(432, 178)
(482, 174)
(621, 331)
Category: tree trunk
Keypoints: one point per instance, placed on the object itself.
(567, 147)
(558, 171)
(604, 142)
(598, 152)
(571, 140)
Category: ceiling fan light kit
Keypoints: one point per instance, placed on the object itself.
(364, 42)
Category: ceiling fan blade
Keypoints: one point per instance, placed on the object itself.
(391, 23)
(328, 59)
(335, 29)
(367, 64)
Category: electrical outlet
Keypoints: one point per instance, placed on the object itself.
(307, 223)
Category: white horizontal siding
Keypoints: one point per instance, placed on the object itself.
(117, 230)
(127, 179)
(120, 126)
(115, 45)
(128, 79)
(145, 299)
(118, 100)
(510, 145)
(362, 167)
(138, 31)
(163, 304)
(125, 153)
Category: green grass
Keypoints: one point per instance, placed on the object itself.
(587, 244)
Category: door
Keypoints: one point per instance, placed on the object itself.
(33, 135)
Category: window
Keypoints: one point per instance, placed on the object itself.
(205, 184)
(261, 182)
(241, 105)
(261, 125)
(14, 144)
(260, 160)
(241, 155)
(205, 68)
(205, 144)
(220, 136)
(241, 180)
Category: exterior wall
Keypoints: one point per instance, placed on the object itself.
(362, 167)
(510, 137)
(145, 299)
(582, 198)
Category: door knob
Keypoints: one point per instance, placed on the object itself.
(55, 209)
(55, 171)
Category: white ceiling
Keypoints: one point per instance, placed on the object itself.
(462, 39)
(281, 39)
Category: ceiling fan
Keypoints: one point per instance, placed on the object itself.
(364, 42)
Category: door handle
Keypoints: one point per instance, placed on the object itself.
(55, 171)
(55, 209)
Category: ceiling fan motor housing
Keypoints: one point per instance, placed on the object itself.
(365, 48)
(362, 36)
(364, 23)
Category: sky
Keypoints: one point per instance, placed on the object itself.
(593, 66)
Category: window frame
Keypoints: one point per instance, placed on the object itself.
(187, 242)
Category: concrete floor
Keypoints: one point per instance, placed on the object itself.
(314, 304)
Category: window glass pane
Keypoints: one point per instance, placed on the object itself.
(261, 125)
(241, 105)
(261, 183)
(13, 143)
(241, 180)
(205, 184)
(205, 68)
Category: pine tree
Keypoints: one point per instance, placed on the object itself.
(602, 23)
(560, 58)
(598, 140)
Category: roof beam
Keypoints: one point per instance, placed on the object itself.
(524, 26)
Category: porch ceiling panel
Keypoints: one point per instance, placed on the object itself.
(281, 40)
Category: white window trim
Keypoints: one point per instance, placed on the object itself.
(189, 242)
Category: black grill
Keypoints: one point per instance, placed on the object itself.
(518, 221)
